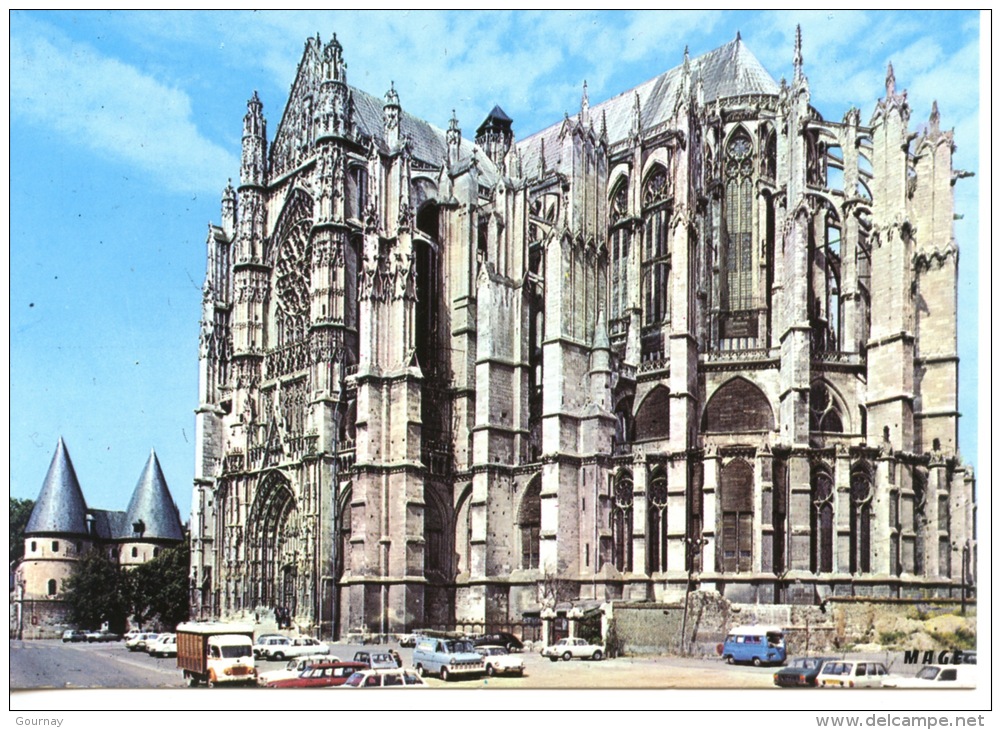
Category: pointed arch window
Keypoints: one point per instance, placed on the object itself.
(656, 266)
(619, 242)
(530, 524)
(737, 484)
(825, 413)
(822, 518)
(860, 535)
(739, 196)
(52, 587)
(657, 511)
(622, 522)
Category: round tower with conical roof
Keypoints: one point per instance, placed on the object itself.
(151, 522)
(57, 534)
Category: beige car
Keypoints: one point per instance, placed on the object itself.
(851, 674)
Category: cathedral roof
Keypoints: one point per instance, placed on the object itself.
(60, 507)
(728, 71)
(152, 504)
(427, 142)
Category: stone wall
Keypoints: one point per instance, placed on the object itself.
(656, 628)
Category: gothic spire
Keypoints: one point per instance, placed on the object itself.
(635, 123)
(933, 120)
(60, 507)
(152, 513)
(585, 106)
(891, 81)
(797, 56)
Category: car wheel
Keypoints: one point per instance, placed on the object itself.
(420, 671)
(278, 656)
(729, 660)
(210, 682)
(567, 656)
(490, 670)
(444, 674)
(756, 661)
(192, 680)
(597, 655)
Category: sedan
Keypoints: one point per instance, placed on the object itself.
(139, 641)
(74, 635)
(937, 676)
(324, 674)
(567, 649)
(801, 672)
(498, 660)
(509, 641)
(165, 645)
(102, 635)
(391, 678)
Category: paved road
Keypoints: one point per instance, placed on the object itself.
(45, 664)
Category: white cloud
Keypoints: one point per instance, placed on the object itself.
(112, 108)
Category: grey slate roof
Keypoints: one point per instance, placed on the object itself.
(60, 507)
(427, 142)
(728, 71)
(151, 502)
(108, 524)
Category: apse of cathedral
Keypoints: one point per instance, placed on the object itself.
(694, 335)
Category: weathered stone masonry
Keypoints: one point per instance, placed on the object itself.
(695, 332)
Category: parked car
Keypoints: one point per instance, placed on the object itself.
(139, 641)
(270, 646)
(937, 676)
(408, 640)
(324, 674)
(74, 635)
(840, 673)
(569, 648)
(801, 672)
(498, 660)
(102, 636)
(509, 641)
(388, 678)
(293, 668)
(446, 657)
(376, 659)
(755, 644)
(165, 645)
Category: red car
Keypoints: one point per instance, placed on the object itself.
(322, 674)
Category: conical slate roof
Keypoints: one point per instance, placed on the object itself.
(60, 507)
(152, 504)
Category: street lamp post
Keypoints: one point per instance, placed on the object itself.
(692, 547)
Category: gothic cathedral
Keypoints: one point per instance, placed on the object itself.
(693, 335)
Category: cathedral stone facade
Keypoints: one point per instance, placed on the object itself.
(693, 336)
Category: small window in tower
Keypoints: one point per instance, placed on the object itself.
(135, 552)
(34, 546)
(55, 546)
(52, 587)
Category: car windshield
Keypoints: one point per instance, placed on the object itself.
(928, 672)
(233, 652)
(457, 647)
(355, 679)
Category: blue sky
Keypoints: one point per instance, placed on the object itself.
(125, 126)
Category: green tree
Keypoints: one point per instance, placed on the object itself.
(20, 513)
(96, 592)
(160, 587)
